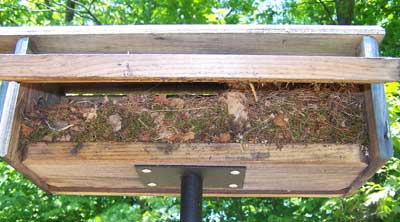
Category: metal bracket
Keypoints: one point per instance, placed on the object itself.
(169, 176)
(8, 100)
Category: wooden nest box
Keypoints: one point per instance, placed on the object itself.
(257, 110)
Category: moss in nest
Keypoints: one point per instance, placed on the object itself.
(99, 129)
(146, 120)
(169, 115)
(39, 133)
(199, 123)
(222, 119)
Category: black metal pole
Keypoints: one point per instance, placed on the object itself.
(191, 197)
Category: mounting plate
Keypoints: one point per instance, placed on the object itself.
(169, 176)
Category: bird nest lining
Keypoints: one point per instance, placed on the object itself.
(260, 113)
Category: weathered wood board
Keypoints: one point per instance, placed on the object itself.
(381, 146)
(313, 167)
(196, 68)
(199, 39)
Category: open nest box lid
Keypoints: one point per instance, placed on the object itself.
(70, 59)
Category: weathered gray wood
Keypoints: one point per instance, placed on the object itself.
(384, 146)
(195, 68)
(13, 152)
(207, 193)
(199, 39)
(380, 142)
(8, 99)
(313, 168)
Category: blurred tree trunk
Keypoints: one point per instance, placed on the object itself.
(344, 11)
(70, 11)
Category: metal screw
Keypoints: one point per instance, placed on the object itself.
(235, 172)
(152, 184)
(146, 171)
(233, 185)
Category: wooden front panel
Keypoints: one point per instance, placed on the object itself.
(301, 168)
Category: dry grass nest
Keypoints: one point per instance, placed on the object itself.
(268, 113)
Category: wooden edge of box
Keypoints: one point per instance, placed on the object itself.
(234, 193)
(380, 142)
(90, 168)
(225, 39)
(16, 151)
(194, 29)
(79, 68)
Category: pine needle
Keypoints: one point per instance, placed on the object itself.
(253, 90)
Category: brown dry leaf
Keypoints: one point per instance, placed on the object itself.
(176, 103)
(161, 99)
(26, 130)
(75, 121)
(165, 133)
(158, 118)
(167, 122)
(224, 138)
(115, 122)
(185, 116)
(47, 138)
(280, 120)
(65, 138)
(78, 128)
(175, 138)
(144, 137)
(252, 140)
(106, 99)
(91, 114)
(236, 102)
(188, 136)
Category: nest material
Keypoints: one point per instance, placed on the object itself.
(295, 113)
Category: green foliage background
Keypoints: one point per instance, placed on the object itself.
(378, 200)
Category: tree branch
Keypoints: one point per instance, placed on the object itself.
(229, 13)
(329, 14)
(88, 11)
(70, 11)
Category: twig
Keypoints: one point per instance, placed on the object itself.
(253, 90)
(65, 128)
(84, 101)
(266, 122)
(229, 13)
(58, 130)
(48, 125)
(143, 123)
(88, 11)
(327, 11)
(179, 110)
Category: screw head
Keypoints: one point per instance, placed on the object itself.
(152, 184)
(235, 172)
(146, 170)
(233, 185)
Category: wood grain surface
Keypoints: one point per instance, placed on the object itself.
(192, 68)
